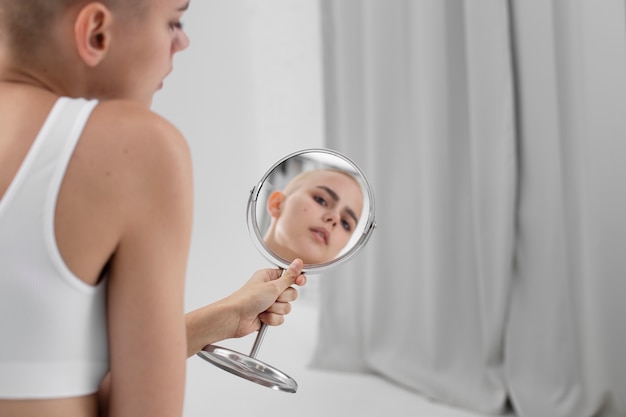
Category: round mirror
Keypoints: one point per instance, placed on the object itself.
(314, 204)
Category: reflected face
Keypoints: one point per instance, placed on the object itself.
(315, 216)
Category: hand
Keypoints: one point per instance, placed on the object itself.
(266, 297)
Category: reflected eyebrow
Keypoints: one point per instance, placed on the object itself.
(352, 214)
(335, 197)
(331, 192)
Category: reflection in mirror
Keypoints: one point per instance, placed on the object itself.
(315, 205)
(314, 216)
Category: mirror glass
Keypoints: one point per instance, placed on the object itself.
(314, 204)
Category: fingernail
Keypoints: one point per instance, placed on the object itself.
(296, 264)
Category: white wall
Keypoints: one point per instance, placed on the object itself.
(245, 93)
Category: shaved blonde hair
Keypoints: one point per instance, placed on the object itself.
(25, 24)
(297, 181)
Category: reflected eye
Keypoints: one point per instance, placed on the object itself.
(320, 200)
(346, 225)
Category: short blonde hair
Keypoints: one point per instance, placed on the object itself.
(25, 24)
(294, 184)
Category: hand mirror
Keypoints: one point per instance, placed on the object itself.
(316, 205)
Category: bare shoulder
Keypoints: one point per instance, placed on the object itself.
(130, 173)
(136, 156)
(131, 127)
(131, 146)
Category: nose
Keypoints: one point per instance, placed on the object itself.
(332, 218)
(181, 42)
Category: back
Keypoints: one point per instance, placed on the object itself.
(120, 199)
(41, 300)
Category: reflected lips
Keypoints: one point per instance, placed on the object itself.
(321, 233)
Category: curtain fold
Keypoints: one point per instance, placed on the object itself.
(493, 135)
(411, 98)
(564, 333)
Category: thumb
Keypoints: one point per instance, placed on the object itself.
(290, 275)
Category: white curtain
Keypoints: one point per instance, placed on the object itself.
(494, 135)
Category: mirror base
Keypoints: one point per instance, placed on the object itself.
(248, 368)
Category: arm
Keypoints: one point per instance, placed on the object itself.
(152, 189)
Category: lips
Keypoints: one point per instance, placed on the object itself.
(321, 233)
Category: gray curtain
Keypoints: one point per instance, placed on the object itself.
(493, 133)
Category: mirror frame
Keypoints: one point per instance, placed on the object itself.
(257, 236)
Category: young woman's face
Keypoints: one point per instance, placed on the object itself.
(318, 218)
(142, 52)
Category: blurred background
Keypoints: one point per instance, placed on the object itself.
(492, 132)
(246, 93)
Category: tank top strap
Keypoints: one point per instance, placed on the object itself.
(52, 148)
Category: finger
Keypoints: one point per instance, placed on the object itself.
(291, 274)
(301, 280)
(272, 319)
(295, 268)
(279, 308)
(290, 294)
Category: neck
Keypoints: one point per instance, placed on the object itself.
(59, 81)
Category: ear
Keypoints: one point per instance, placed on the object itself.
(274, 203)
(92, 32)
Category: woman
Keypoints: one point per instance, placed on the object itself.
(95, 216)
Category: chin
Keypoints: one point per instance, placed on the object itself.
(316, 260)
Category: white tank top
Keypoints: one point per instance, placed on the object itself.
(53, 340)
